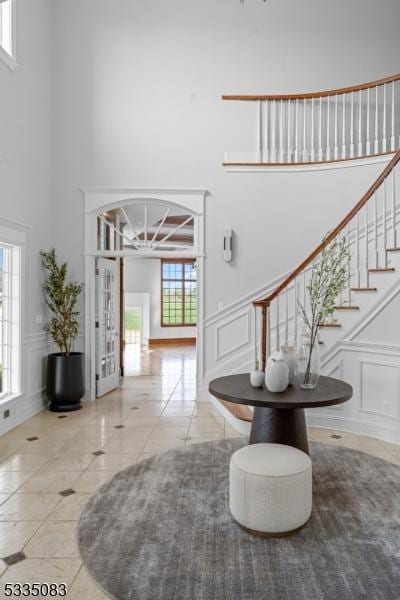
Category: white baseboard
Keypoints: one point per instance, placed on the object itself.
(21, 409)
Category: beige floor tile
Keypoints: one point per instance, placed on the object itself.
(171, 421)
(24, 431)
(14, 535)
(178, 412)
(55, 570)
(45, 481)
(137, 421)
(204, 409)
(124, 445)
(85, 588)
(9, 446)
(91, 480)
(49, 447)
(209, 423)
(70, 462)
(70, 508)
(200, 433)
(3, 498)
(11, 481)
(61, 431)
(160, 445)
(200, 440)
(28, 507)
(81, 446)
(54, 539)
(169, 432)
(113, 462)
(132, 432)
(24, 462)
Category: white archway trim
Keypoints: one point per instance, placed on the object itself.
(96, 200)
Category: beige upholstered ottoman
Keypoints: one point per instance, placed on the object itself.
(270, 488)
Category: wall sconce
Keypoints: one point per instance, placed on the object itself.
(227, 244)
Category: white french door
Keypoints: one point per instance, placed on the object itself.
(107, 326)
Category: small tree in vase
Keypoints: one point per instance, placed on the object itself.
(329, 278)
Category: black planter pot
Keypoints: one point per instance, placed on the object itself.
(65, 381)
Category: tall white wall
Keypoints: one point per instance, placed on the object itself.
(138, 103)
(26, 178)
(144, 276)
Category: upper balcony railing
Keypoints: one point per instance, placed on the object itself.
(336, 125)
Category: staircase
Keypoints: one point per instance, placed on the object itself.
(371, 232)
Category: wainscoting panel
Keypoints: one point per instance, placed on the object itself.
(36, 347)
(379, 388)
(232, 335)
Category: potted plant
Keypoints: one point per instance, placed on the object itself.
(65, 369)
(329, 278)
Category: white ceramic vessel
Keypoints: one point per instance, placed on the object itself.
(257, 379)
(277, 373)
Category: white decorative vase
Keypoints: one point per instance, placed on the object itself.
(257, 379)
(289, 356)
(277, 373)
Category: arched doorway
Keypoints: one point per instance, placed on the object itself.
(134, 224)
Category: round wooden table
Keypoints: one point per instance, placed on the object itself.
(280, 417)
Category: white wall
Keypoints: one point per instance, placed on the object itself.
(137, 103)
(26, 177)
(144, 276)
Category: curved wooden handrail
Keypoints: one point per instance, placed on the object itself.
(331, 236)
(310, 95)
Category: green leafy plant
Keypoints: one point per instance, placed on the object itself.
(329, 278)
(61, 298)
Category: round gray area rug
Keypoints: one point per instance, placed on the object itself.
(162, 530)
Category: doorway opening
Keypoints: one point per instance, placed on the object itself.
(150, 312)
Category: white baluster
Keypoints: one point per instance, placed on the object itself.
(304, 132)
(269, 333)
(296, 291)
(394, 208)
(358, 250)
(289, 133)
(352, 126)
(384, 120)
(320, 131)
(368, 144)
(344, 126)
(392, 139)
(273, 156)
(304, 290)
(376, 230)
(266, 134)
(256, 355)
(384, 222)
(286, 317)
(366, 246)
(296, 141)
(348, 266)
(259, 132)
(312, 131)
(360, 145)
(376, 144)
(336, 149)
(281, 133)
(278, 333)
(328, 129)
(145, 224)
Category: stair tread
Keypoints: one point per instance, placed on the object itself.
(382, 270)
(346, 307)
(392, 249)
(330, 325)
(365, 289)
(237, 410)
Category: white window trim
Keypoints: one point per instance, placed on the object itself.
(10, 59)
(14, 234)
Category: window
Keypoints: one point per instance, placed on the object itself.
(178, 293)
(9, 319)
(7, 32)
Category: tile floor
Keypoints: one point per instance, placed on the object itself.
(50, 465)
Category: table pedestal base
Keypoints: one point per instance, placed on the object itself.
(280, 426)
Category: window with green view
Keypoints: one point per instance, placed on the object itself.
(178, 293)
